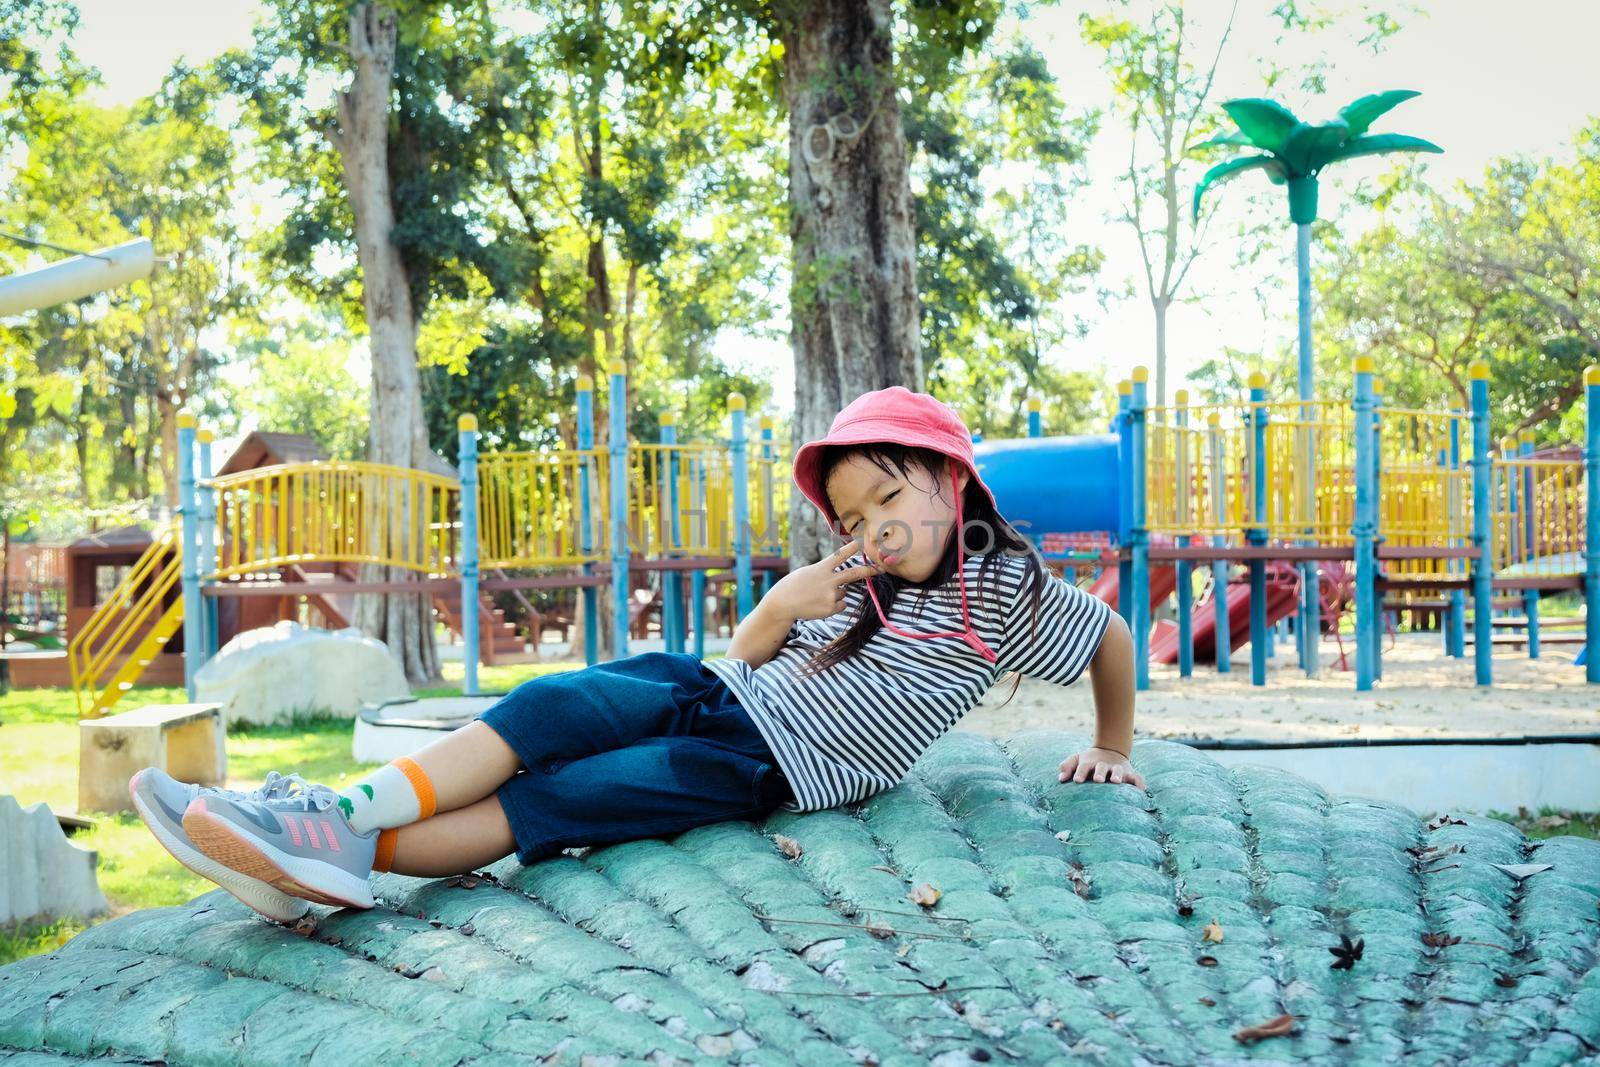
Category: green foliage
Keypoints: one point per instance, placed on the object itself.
(301, 382)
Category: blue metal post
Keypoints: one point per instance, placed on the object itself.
(1257, 534)
(591, 607)
(672, 630)
(1140, 535)
(1483, 566)
(1365, 527)
(208, 545)
(1125, 501)
(617, 449)
(745, 600)
(1458, 597)
(467, 459)
(1034, 417)
(1219, 568)
(1376, 454)
(1185, 569)
(770, 545)
(1530, 597)
(189, 555)
(1591, 524)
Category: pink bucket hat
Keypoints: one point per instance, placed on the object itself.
(896, 415)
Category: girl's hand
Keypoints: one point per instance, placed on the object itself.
(815, 592)
(1104, 764)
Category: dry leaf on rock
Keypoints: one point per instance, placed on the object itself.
(1282, 1026)
(925, 894)
(787, 845)
(1213, 931)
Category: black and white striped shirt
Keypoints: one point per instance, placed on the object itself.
(856, 728)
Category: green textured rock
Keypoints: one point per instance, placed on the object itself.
(1070, 923)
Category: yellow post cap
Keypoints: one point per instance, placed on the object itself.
(205, 437)
(1141, 373)
(467, 422)
(186, 420)
(1181, 398)
(585, 384)
(766, 422)
(1213, 419)
(1508, 444)
(1478, 371)
(1526, 435)
(668, 419)
(1125, 387)
(1591, 376)
(616, 366)
(735, 401)
(1365, 365)
(1034, 403)
(1258, 380)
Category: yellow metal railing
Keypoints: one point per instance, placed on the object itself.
(530, 507)
(128, 629)
(1538, 507)
(335, 512)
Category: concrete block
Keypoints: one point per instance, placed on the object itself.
(43, 876)
(185, 740)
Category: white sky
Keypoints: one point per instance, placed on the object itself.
(1496, 78)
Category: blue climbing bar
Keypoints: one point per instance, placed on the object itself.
(738, 456)
(467, 546)
(1591, 524)
(591, 626)
(1482, 526)
(189, 555)
(1364, 528)
(672, 626)
(1257, 534)
(1185, 569)
(1125, 501)
(1140, 537)
(1219, 567)
(617, 449)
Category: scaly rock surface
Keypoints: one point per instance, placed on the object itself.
(980, 912)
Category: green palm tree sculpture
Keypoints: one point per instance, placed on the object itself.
(1293, 153)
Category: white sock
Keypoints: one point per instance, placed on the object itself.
(386, 798)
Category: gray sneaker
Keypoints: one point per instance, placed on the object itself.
(161, 799)
(300, 843)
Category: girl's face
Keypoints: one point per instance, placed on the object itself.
(903, 525)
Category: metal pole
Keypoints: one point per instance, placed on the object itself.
(1376, 455)
(1483, 566)
(189, 555)
(591, 606)
(770, 543)
(1140, 535)
(617, 449)
(1591, 524)
(208, 545)
(467, 459)
(1530, 597)
(741, 506)
(1219, 567)
(1457, 597)
(672, 629)
(1034, 417)
(1365, 526)
(1257, 534)
(1125, 500)
(1184, 568)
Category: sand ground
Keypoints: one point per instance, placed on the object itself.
(1423, 694)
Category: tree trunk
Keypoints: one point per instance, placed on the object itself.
(854, 295)
(397, 434)
(1161, 305)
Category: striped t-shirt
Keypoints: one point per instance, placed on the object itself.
(855, 728)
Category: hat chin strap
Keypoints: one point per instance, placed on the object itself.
(968, 635)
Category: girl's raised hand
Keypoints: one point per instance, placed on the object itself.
(815, 591)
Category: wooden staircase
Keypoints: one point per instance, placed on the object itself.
(499, 643)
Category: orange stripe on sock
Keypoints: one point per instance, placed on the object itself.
(420, 783)
(383, 858)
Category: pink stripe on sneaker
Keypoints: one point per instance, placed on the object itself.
(311, 831)
(294, 832)
(333, 842)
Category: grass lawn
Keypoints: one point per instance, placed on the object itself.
(39, 761)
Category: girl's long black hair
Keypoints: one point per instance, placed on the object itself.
(986, 533)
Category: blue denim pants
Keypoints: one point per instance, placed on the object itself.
(646, 746)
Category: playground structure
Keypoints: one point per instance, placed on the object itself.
(1395, 505)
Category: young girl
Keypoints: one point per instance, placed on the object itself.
(821, 700)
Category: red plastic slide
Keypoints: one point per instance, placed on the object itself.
(1283, 599)
(1163, 583)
